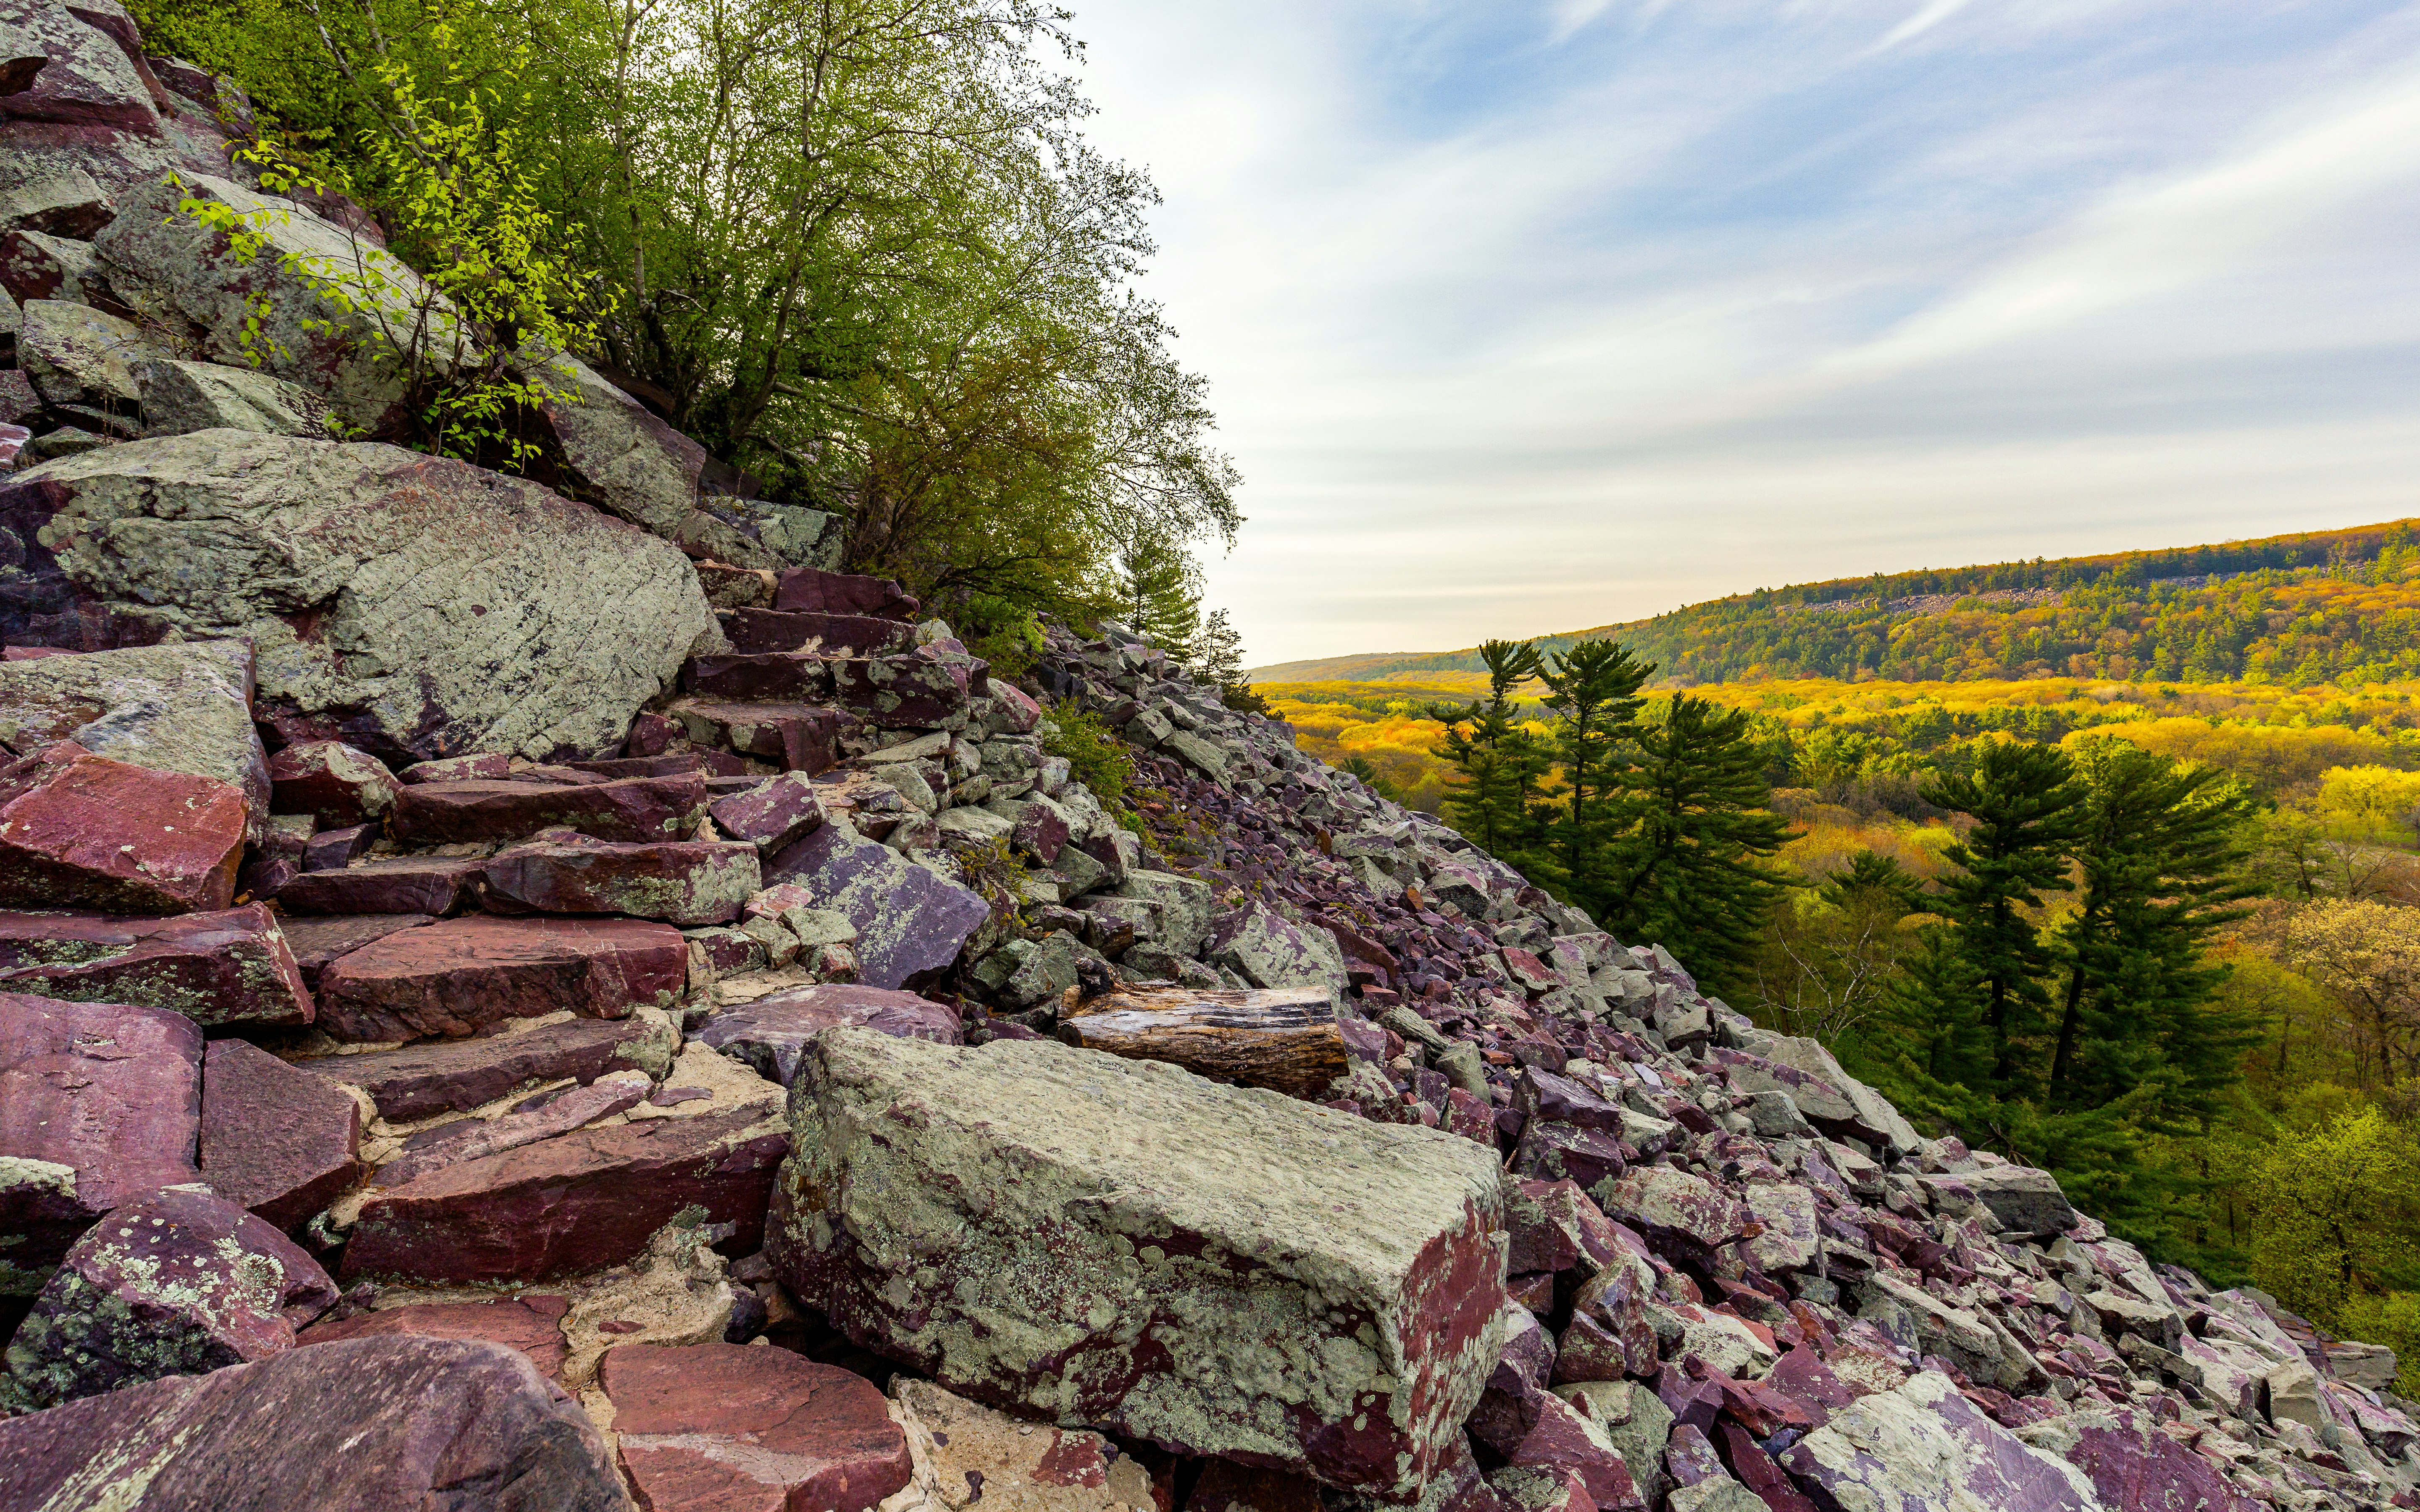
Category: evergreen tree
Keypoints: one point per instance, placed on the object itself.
(2028, 807)
(1686, 866)
(1156, 592)
(1219, 651)
(1873, 880)
(1592, 689)
(2161, 851)
(1496, 763)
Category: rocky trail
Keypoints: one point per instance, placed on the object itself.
(546, 995)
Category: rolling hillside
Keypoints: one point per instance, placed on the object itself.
(2324, 606)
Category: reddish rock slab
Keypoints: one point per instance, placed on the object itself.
(332, 850)
(2136, 1467)
(365, 1425)
(316, 939)
(722, 1426)
(486, 766)
(913, 690)
(427, 885)
(765, 629)
(175, 1283)
(531, 1323)
(542, 1116)
(463, 974)
(1658, 1200)
(1557, 1151)
(1547, 1098)
(688, 882)
(638, 808)
(419, 1081)
(576, 1203)
(231, 966)
(911, 922)
(803, 737)
(276, 1139)
(771, 1033)
(103, 1100)
(771, 815)
(760, 677)
(1529, 1428)
(81, 831)
(1556, 1228)
(332, 782)
(707, 764)
(812, 591)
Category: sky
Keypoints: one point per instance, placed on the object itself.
(1525, 317)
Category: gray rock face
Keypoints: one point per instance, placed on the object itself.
(177, 1283)
(1268, 951)
(187, 396)
(360, 1424)
(174, 708)
(912, 921)
(1923, 1445)
(408, 604)
(1222, 1271)
(2027, 1202)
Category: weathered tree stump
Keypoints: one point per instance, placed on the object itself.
(1284, 1038)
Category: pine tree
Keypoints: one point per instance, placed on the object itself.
(1496, 763)
(2028, 807)
(1219, 651)
(1685, 868)
(1158, 586)
(1592, 690)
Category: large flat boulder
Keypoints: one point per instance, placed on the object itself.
(912, 921)
(711, 1426)
(174, 708)
(688, 882)
(81, 831)
(772, 1032)
(176, 1282)
(427, 886)
(98, 1104)
(573, 1204)
(636, 810)
(227, 966)
(1226, 1271)
(1923, 1445)
(276, 1139)
(95, 106)
(411, 606)
(419, 1081)
(365, 1424)
(465, 975)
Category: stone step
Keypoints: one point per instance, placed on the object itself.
(923, 689)
(428, 885)
(803, 737)
(465, 975)
(771, 1032)
(760, 677)
(316, 939)
(230, 965)
(628, 809)
(688, 882)
(809, 590)
(764, 629)
(81, 831)
(420, 1081)
(707, 764)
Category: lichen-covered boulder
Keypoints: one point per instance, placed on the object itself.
(363, 1424)
(175, 1283)
(174, 708)
(332, 783)
(185, 396)
(1224, 1270)
(1924, 1446)
(688, 883)
(912, 921)
(412, 606)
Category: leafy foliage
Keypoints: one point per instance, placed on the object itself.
(1095, 756)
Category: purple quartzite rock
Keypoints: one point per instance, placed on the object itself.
(231, 966)
(2136, 1467)
(333, 849)
(1554, 1151)
(1040, 1225)
(366, 1425)
(760, 677)
(914, 690)
(764, 629)
(912, 922)
(1546, 1098)
(175, 1283)
(688, 882)
(454, 1075)
(772, 1032)
(803, 737)
(333, 782)
(1521, 1426)
(487, 766)
(316, 939)
(1924, 1446)
(461, 975)
(575, 1203)
(427, 885)
(715, 1425)
(98, 1102)
(1556, 1228)
(771, 815)
(812, 591)
(276, 1139)
(1657, 1199)
(80, 831)
(531, 1322)
(538, 1118)
(638, 808)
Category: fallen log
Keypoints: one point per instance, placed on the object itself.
(1284, 1039)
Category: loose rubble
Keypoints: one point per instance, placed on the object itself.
(559, 999)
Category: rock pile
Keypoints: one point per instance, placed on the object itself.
(519, 1000)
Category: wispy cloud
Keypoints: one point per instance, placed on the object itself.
(1524, 320)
